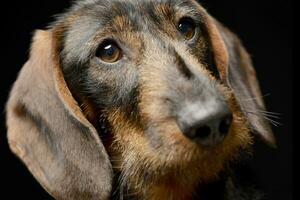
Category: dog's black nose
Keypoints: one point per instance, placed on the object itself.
(206, 126)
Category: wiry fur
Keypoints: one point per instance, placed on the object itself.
(133, 103)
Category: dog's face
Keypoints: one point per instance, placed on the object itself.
(148, 70)
(153, 77)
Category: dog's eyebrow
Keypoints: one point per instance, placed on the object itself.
(188, 8)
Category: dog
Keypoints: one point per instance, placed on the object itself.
(133, 99)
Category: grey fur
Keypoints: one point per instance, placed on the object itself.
(47, 127)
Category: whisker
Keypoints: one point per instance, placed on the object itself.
(268, 117)
(255, 98)
(271, 116)
(265, 111)
(275, 123)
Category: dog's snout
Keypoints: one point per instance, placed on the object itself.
(206, 126)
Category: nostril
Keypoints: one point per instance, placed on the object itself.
(203, 132)
(225, 125)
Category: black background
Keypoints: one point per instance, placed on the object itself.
(265, 26)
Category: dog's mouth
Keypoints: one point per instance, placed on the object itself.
(162, 153)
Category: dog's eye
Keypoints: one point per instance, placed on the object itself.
(109, 52)
(187, 27)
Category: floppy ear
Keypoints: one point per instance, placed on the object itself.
(236, 70)
(49, 133)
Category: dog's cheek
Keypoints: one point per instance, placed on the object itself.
(112, 87)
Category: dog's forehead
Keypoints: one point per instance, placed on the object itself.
(132, 9)
(109, 3)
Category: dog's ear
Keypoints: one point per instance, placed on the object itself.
(49, 133)
(236, 70)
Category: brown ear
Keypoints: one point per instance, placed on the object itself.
(49, 133)
(236, 70)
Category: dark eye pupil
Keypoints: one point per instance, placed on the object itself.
(109, 50)
(184, 27)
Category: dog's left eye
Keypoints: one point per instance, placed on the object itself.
(109, 52)
(187, 27)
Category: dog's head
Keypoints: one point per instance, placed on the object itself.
(157, 90)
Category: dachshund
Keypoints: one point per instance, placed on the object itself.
(148, 100)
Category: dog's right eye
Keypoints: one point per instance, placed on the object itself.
(109, 52)
(187, 27)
